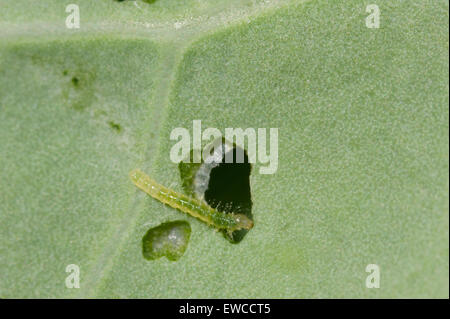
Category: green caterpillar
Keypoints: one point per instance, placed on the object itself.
(194, 207)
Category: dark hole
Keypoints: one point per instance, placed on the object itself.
(229, 191)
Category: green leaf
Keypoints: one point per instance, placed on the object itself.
(363, 143)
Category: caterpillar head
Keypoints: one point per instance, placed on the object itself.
(242, 222)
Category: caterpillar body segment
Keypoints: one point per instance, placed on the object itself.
(192, 206)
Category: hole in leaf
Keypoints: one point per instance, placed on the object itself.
(223, 186)
(169, 239)
(229, 190)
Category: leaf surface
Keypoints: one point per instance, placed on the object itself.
(362, 174)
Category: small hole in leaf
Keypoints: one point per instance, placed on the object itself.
(169, 239)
